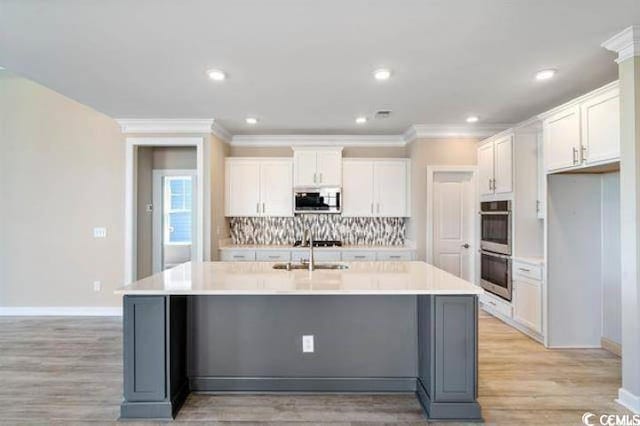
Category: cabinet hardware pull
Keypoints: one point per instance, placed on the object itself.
(238, 256)
(258, 208)
(525, 269)
(395, 257)
(263, 208)
(489, 184)
(274, 257)
(359, 257)
(378, 207)
(320, 177)
(371, 208)
(537, 206)
(575, 155)
(494, 184)
(583, 153)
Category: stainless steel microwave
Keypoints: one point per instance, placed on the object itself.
(317, 200)
(495, 226)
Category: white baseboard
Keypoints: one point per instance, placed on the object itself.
(61, 311)
(613, 347)
(628, 400)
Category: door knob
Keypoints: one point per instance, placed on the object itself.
(465, 245)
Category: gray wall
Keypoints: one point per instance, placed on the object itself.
(611, 262)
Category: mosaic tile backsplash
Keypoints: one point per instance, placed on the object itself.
(350, 230)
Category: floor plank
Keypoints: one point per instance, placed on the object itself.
(69, 371)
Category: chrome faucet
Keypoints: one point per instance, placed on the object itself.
(308, 238)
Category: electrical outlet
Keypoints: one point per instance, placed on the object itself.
(149, 208)
(99, 232)
(97, 286)
(307, 343)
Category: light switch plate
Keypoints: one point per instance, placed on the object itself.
(99, 232)
(97, 286)
(307, 343)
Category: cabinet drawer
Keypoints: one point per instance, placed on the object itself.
(394, 255)
(238, 255)
(273, 255)
(521, 269)
(354, 256)
(493, 303)
(319, 256)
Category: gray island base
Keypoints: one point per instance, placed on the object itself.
(180, 343)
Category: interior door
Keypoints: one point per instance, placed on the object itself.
(601, 127)
(357, 188)
(452, 223)
(485, 168)
(276, 183)
(304, 164)
(243, 188)
(561, 134)
(503, 165)
(329, 167)
(390, 188)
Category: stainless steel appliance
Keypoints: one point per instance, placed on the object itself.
(495, 226)
(495, 273)
(317, 200)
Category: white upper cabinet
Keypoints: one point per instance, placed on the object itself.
(258, 187)
(495, 166)
(561, 133)
(585, 132)
(390, 188)
(276, 192)
(601, 127)
(317, 167)
(357, 188)
(503, 165)
(485, 168)
(378, 188)
(242, 195)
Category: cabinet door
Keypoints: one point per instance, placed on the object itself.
(329, 168)
(561, 134)
(503, 165)
(357, 188)
(276, 188)
(485, 168)
(390, 188)
(527, 303)
(304, 168)
(243, 188)
(601, 127)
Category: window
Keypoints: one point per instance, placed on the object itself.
(177, 209)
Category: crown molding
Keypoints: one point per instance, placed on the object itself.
(221, 133)
(419, 131)
(165, 125)
(317, 140)
(626, 43)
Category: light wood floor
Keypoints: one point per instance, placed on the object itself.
(69, 371)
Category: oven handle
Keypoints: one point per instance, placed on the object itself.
(490, 253)
(494, 213)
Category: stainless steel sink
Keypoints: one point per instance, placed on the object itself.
(291, 266)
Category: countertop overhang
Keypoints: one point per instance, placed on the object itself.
(259, 278)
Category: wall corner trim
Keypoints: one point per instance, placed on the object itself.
(629, 400)
(62, 311)
(626, 43)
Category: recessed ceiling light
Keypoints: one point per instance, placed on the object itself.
(251, 120)
(382, 74)
(472, 119)
(361, 120)
(545, 74)
(216, 75)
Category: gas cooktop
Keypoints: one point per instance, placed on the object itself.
(321, 243)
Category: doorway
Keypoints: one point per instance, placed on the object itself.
(174, 221)
(451, 195)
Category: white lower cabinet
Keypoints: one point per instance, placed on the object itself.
(238, 255)
(356, 255)
(527, 306)
(273, 255)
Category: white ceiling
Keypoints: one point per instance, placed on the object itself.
(305, 66)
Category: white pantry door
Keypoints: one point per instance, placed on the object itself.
(453, 223)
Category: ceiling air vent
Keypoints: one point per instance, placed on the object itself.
(383, 113)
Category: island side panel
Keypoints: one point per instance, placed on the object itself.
(154, 354)
(448, 357)
(254, 343)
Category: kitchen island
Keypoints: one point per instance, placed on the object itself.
(239, 327)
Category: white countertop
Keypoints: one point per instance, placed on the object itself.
(229, 246)
(259, 278)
